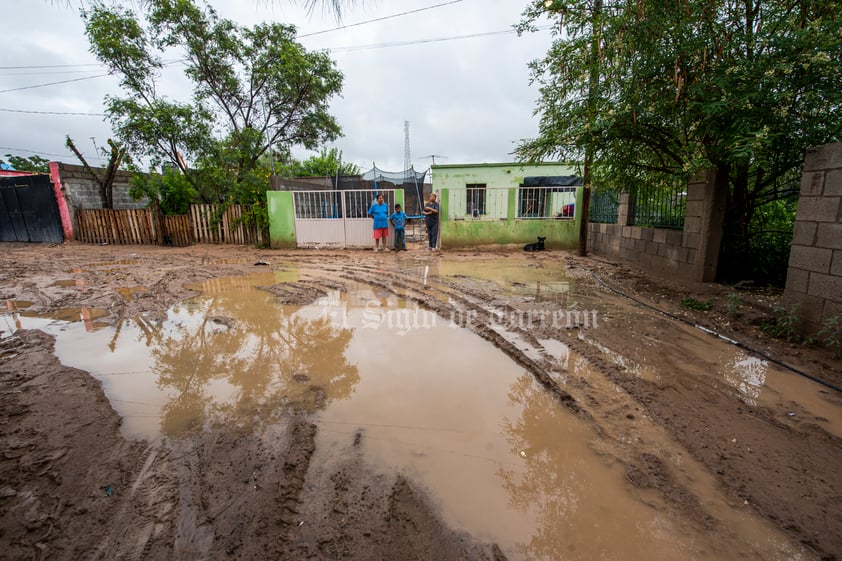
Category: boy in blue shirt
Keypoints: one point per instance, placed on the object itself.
(398, 220)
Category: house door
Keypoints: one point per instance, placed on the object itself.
(28, 210)
(336, 218)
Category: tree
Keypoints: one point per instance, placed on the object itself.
(254, 89)
(742, 87)
(104, 182)
(31, 163)
(328, 163)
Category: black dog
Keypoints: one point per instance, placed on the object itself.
(538, 246)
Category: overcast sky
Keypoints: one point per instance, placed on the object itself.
(467, 99)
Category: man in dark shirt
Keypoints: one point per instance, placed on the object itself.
(431, 220)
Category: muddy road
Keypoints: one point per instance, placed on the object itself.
(220, 402)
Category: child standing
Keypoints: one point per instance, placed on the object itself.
(398, 220)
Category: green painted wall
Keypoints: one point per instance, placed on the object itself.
(451, 176)
(466, 232)
(281, 219)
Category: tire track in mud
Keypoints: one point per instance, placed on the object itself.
(465, 307)
(350, 512)
(142, 527)
(671, 406)
(239, 492)
(643, 466)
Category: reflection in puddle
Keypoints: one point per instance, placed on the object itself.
(110, 263)
(500, 457)
(128, 292)
(54, 321)
(68, 283)
(84, 315)
(543, 283)
(748, 375)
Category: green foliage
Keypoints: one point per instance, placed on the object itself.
(254, 89)
(327, 163)
(692, 304)
(733, 304)
(31, 163)
(743, 88)
(171, 189)
(784, 325)
(763, 254)
(831, 335)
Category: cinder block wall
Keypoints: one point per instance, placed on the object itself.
(814, 277)
(671, 253)
(81, 191)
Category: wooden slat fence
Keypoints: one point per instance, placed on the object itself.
(212, 226)
(204, 224)
(130, 226)
(177, 230)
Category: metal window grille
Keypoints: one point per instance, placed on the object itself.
(604, 207)
(546, 202)
(329, 204)
(475, 198)
(318, 204)
(478, 202)
(654, 207)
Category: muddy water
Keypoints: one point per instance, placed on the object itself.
(499, 457)
(727, 367)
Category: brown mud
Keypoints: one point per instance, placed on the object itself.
(653, 388)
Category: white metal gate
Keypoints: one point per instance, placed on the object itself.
(337, 218)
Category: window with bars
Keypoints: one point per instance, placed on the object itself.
(475, 199)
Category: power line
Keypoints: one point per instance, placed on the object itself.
(39, 153)
(377, 19)
(31, 151)
(422, 41)
(53, 83)
(17, 74)
(53, 112)
(98, 65)
(168, 63)
(32, 66)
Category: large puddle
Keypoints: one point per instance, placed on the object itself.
(500, 457)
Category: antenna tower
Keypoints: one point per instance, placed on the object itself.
(407, 160)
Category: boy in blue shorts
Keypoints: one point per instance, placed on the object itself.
(398, 220)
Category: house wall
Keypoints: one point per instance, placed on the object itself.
(814, 277)
(493, 175)
(672, 253)
(458, 231)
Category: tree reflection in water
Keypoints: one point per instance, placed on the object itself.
(550, 484)
(242, 359)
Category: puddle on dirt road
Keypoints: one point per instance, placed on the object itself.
(539, 280)
(69, 283)
(500, 457)
(128, 292)
(54, 321)
(726, 367)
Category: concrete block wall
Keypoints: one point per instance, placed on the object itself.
(79, 190)
(814, 277)
(671, 253)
